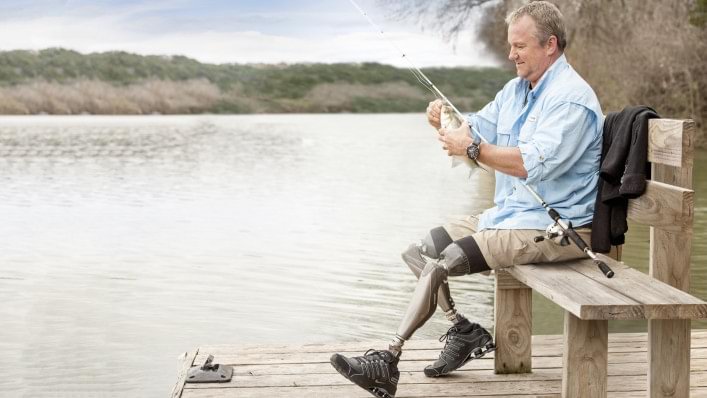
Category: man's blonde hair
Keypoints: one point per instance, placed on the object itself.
(548, 20)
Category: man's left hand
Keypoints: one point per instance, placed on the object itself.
(455, 141)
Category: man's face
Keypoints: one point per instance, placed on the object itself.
(531, 58)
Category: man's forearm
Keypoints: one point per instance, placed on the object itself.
(507, 160)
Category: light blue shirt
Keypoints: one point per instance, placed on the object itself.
(558, 127)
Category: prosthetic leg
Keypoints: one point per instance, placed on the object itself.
(434, 243)
(465, 340)
(377, 371)
(433, 280)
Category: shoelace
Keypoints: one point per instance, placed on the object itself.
(451, 345)
(374, 364)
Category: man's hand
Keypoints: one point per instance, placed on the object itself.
(457, 140)
(434, 112)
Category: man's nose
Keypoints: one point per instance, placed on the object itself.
(511, 55)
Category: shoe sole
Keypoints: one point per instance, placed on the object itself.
(476, 353)
(375, 391)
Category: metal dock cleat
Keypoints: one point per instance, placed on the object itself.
(209, 372)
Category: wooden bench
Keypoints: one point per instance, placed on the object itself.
(590, 299)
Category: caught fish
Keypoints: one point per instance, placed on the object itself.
(450, 120)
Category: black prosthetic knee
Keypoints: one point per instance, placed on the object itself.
(437, 240)
(431, 246)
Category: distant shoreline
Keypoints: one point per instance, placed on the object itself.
(61, 82)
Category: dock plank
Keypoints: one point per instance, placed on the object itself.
(250, 358)
(636, 360)
(182, 376)
(414, 344)
(495, 385)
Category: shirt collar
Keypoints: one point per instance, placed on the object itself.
(551, 71)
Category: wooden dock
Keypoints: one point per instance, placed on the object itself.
(304, 371)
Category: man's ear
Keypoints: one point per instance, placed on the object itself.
(551, 45)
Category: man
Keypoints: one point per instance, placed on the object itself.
(543, 129)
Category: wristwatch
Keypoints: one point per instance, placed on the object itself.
(472, 151)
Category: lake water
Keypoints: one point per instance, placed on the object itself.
(126, 241)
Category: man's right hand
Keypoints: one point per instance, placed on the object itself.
(434, 112)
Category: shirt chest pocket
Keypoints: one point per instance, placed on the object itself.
(503, 135)
(504, 139)
(528, 128)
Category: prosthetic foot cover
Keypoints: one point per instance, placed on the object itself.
(465, 341)
(375, 371)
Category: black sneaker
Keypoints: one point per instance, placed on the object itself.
(465, 341)
(375, 371)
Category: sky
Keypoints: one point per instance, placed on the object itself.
(236, 31)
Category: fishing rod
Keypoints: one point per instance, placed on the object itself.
(566, 229)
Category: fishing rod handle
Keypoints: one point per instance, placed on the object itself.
(604, 268)
(574, 236)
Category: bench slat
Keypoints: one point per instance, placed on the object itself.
(575, 292)
(665, 206)
(660, 300)
(579, 287)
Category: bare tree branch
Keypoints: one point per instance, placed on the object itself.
(448, 17)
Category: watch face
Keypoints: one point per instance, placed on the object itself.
(472, 151)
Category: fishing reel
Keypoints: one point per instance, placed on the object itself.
(554, 233)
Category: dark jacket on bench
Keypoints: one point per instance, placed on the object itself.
(624, 170)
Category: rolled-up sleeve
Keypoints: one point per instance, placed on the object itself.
(557, 142)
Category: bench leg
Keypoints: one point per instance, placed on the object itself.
(513, 329)
(584, 361)
(669, 358)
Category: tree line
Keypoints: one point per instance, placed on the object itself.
(60, 81)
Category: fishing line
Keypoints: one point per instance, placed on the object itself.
(417, 72)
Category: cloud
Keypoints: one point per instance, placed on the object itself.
(281, 37)
(256, 47)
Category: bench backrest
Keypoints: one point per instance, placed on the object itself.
(668, 203)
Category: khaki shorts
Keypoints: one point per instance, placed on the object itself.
(506, 247)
